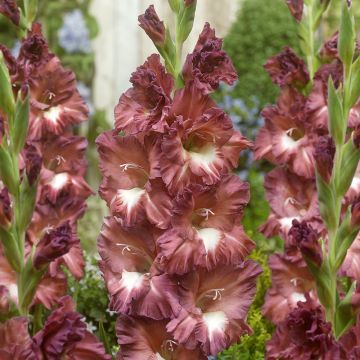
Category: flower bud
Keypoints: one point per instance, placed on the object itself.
(54, 244)
(33, 162)
(306, 239)
(5, 208)
(153, 26)
(189, 2)
(296, 8)
(324, 157)
(9, 9)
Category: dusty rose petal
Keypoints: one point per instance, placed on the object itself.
(141, 107)
(208, 65)
(55, 101)
(215, 306)
(291, 280)
(140, 338)
(15, 341)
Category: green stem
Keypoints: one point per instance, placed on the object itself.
(178, 60)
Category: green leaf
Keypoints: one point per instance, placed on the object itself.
(327, 202)
(21, 123)
(344, 316)
(11, 249)
(346, 43)
(103, 337)
(28, 200)
(344, 239)
(355, 83)
(7, 171)
(337, 124)
(7, 103)
(175, 5)
(185, 21)
(349, 163)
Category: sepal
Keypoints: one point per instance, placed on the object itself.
(21, 121)
(185, 20)
(355, 84)
(346, 43)
(344, 314)
(28, 200)
(337, 125)
(344, 239)
(327, 202)
(8, 173)
(7, 102)
(11, 249)
(349, 163)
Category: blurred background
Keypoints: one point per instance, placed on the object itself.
(101, 42)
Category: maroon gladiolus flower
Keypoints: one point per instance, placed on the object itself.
(55, 101)
(65, 336)
(15, 341)
(307, 240)
(173, 251)
(53, 245)
(152, 25)
(290, 198)
(287, 68)
(287, 138)
(296, 8)
(214, 307)
(34, 50)
(291, 280)
(329, 51)
(10, 9)
(304, 334)
(324, 156)
(208, 65)
(141, 107)
(141, 338)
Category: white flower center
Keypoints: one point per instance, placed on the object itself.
(215, 321)
(210, 238)
(59, 181)
(205, 155)
(131, 197)
(296, 297)
(131, 279)
(53, 114)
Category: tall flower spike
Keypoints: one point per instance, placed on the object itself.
(314, 201)
(173, 251)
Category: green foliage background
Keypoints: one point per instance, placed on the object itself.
(262, 29)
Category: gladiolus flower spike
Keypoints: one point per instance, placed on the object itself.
(42, 196)
(173, 251)
(311, 137)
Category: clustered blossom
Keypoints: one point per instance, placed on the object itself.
(295, 139)
(64, 336)
(173, 249)
(52, 167)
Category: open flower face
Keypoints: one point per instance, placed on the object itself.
(15, 341)
(215, 305)
(141, 107)
(205, 229)
(55, 101)
(290, 198)
(208, 65)
(200, 144)
(291, 280)
(64, 336)
(135, 286)
(131, 186)
(286, 137)
(141, 338)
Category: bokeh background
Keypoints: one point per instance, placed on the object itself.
(102, 43)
